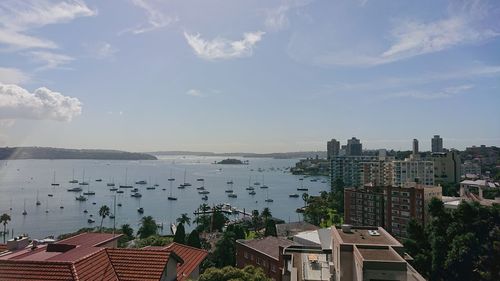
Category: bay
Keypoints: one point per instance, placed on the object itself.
(21, 180)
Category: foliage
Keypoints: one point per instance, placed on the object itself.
(212, 222)
(184, 219)
(225, 251)
(270, 228)
(193, 239)
(326, 209)
(238, 230)
(4, 219)
(148, 227)
(229, 273)
(180, 234)
(154, 240)
(104, 211)
(462, 244)
(127, 231)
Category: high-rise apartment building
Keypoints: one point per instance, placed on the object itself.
(436, 144)
(354, 147)
(349, 169)
(415, 148)
(447, 166)
(408, 170)
(332, 148)
(388, 206)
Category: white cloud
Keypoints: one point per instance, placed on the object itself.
(18, 103)
(156, 19)
(277, 18)
(221, 48)
(101, 50)
(12, 76)
(428, 95)
(195, 93)
(18, 17)
(50, 60)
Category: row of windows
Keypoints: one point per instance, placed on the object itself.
(259, 261)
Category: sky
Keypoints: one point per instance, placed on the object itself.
(248, 76)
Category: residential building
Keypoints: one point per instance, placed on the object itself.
(470, 169)
(332, 148)
(388, 206)
(292, 228)
(349, 169)
(375, 173)
(354, 147)
(436, 144)
(265, 253)
(446, 166)
(408, 170)
(415, 149)
(94, 256)
(369, 253)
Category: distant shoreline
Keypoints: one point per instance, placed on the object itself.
(50, 153)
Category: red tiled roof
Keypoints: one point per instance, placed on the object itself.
(3, 247)
(139, 264)
(192, 257)
(35, 270)
(90, 239)
(97, 267)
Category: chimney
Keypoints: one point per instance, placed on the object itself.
(17, 243)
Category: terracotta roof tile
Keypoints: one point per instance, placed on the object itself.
(35, 270)
(90, 239)
(96, 267)
(3, 247)
(192, 257)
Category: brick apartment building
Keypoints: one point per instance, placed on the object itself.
(389, 207)
(264, 253)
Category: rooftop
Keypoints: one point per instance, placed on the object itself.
(267, 245)
(361, 235)
(292, 228)
(380, 254)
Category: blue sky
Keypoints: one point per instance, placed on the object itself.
(253, 76)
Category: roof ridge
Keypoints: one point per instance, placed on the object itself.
(110, 261)
(186, 246)
(73, 271)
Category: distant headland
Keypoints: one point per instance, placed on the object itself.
(232, 161)
(12, 153)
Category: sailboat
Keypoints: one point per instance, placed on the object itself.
(250, 187)
(24, 212)
(83, 179)
(111, 183)
(54, 180)
(140, 210)
(89, 192)
(230, 190)
(263, 185)
(185, 183)
(73, 180)
(269, 200)
(171, 180)
(37, 201)
(125, 185)
(302, 188)
(47, 207)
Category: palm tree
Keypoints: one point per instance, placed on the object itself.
(305, 197)
(4, 219)
(184, 219)
(255, 219)
(103, 213)
(266, 214)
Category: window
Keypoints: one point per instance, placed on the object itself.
(258, 261)
(273, 268)
(245, 254)
(251, 257)
(264, 263)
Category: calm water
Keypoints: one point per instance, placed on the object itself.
(20, 180)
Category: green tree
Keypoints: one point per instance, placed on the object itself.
(127, 231)
(218, 220)
(225, 252)
(153, 240)
(270, 228)
(193, 239)
(180, 234)
(229, 273)
(184, 219)
(148, 227)
(238, 230)
(103, 213)
(305, 197)
(4, 219)
(266, 214)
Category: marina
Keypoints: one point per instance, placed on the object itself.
(25, 180)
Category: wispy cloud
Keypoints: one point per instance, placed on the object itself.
(429, 95)
(195, 93)
(277, 18)
(50, 60)
(19, 17)
(156, 18)
(221, 48)
(101, 50)
(42, 104)
(13, 76)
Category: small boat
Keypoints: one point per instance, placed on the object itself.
(300, 210)
(171, 198)
(24, 212)
(250, 188)
(264, 186)
(110, 184)
(187, 184)
(182, 186)
(203, 192)
(140, 210)
(135, 189)
(85, 211)
(98, 180)
(81, 198)
(61, 207)
(119, 191)
(200, 188)
(75, 189)
(142, 182)
(314, 180)
(323, 181)
(232, 195)
(269, 200)
(302, 189)
(252, 192)
(136, 195)
(50, 195)
(256, 183)
(230, 182)
(204, 198)
(54, 180)
(73, 181)
(293, 195)
(94, 203)
(38, 203)
(112, 216)
(119, 204)
(200, 179)
(91, 220)
(126, 186)
(113, 189)
(89, 193)
(229, 191)
(163, 189)
(150, 187)
(84, 183)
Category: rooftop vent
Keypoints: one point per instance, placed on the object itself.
(373, 232)
(60, 248)
(346, 228)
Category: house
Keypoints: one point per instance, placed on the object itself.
(265, 253)
(94, 256)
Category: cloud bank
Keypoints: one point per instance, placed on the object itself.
(221, 48)
(42, 104)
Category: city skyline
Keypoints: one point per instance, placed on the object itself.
(278, 76)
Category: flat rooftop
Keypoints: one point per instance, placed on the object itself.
(268, 245)
(361, 235)
(379, 254)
